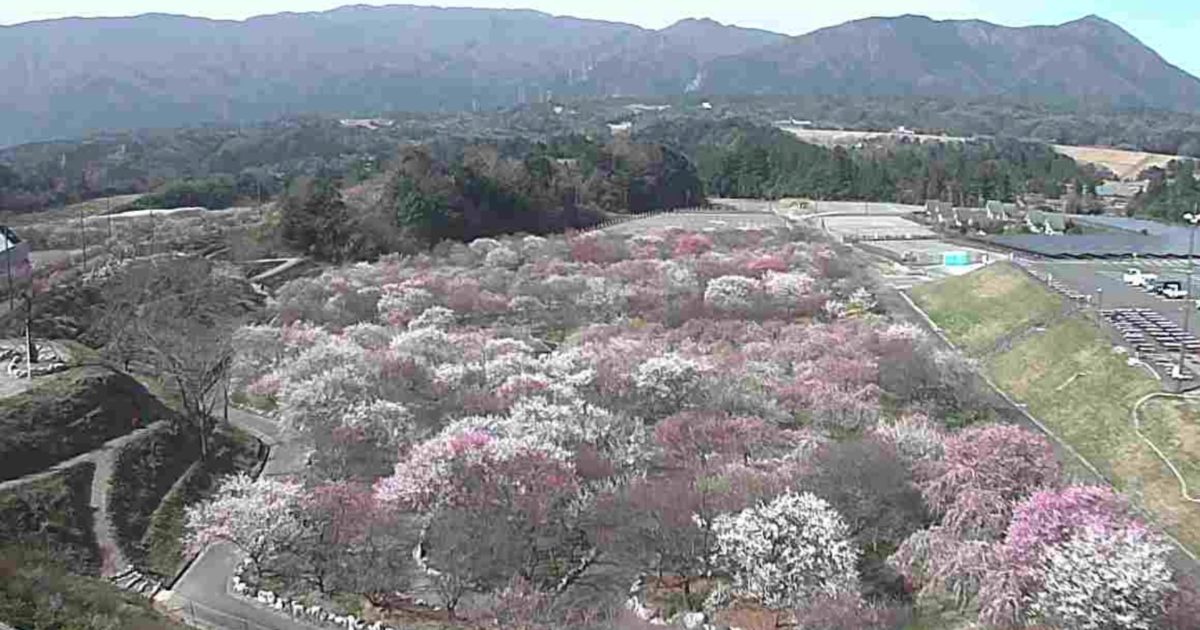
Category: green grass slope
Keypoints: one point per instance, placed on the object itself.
(979, 309)
(1074, 383)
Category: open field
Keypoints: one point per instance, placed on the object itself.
(979, 310)
(1125, 164)
(869, 228)
(836, 137)
(1065, 370)
(700, 221)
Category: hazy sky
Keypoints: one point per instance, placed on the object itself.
(1168, 26)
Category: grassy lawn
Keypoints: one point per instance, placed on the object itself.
(1174, 427)
(1092, 414)
(1073, 383)
(979, 309)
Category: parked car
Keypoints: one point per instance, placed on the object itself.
(1172, 290)
(1135, 277)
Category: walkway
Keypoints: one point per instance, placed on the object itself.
(1137, 427)
(113, 560)
(201, 595)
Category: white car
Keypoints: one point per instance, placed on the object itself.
(1173, 291)
(1136, 278)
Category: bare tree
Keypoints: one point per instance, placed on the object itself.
(470, 550)
(175, 317)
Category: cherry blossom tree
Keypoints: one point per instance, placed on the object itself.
(983, 472)
(1103, 579)
(787, 551)
(732, 294)
(261, 517)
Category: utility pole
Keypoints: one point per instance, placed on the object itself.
(8, 252)
(83, 238)
(1192, 218)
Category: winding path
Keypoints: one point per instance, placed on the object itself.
(1137, 428)
(201, 595)
(104, 457)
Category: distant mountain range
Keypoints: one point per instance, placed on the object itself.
(64, 78)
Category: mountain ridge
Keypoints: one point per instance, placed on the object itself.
(72, 76)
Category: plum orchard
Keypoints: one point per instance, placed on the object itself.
(550, 416)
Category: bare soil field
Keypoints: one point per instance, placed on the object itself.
(836, 137)
(1125, 164)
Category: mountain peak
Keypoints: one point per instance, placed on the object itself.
(1089, 59)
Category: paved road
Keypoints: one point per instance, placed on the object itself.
(1087, 277)
(202, 594)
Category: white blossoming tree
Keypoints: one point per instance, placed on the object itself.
(261, 518)
(732, 294)
(787, 551)
(668, 382)
(502, 257)
(1102, 579)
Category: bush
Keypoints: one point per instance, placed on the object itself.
(37, 592)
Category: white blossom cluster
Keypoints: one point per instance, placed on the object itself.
(915, 437)
(1102, 579)
(390, 419)
(735, 294)
(437, 317)
(403, 299)
(785, 289)
(787, 551)
(668, 378)
(502, 258)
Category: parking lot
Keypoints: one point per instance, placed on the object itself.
(1089, 277)
(1150, 324)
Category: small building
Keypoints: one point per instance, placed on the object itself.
(706, 105)
(621, 128)
(370, 124)
(1117, 194)
(16, 263)
(998, 211)
(1040, 222)
(642, 107)
(935, 208)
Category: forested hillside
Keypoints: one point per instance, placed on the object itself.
(736, 158)
(446, 191)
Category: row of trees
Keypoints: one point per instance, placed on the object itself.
(738, 158)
